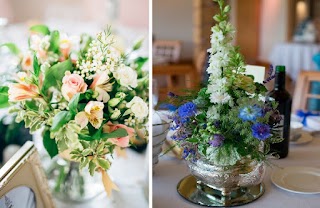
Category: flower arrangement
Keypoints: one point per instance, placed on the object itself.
(89, 97)
(228, 119)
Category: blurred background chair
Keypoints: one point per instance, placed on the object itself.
(307, 92)
(166, 51)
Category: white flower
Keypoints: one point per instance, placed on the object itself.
(115, 115)
(214, 70)
(219, 98)
(218, 83)
(217, 36)
(126, 76)
(212, 113)
(138, 107)
(93, 113)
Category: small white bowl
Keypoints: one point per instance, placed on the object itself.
(295, 128)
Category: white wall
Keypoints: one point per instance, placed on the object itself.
(274, 14)
(172, 20)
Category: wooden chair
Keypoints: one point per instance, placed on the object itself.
(170, 50)
(302, 92)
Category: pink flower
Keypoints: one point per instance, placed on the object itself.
(93, 113)
(72, 84)
(27, 62)
(121, 141)
(21, 91)
(102, 86)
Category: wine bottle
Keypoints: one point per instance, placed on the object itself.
(282, 96)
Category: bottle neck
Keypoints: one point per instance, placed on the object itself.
(280, 81)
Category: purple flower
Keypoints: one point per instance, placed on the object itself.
(261, 131)
(172, 95)
(217, 124)
(271, 75)
(217, 140)
(187, 110)
(250, 113)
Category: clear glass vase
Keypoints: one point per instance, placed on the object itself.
(70, 185)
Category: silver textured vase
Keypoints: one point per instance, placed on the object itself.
(213, 185)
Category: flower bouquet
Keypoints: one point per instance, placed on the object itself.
(89, 98)
(226, 128)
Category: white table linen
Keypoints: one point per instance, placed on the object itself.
(170, 171)
(295, 56)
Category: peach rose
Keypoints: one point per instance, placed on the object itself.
(121, 141)
(72, 84)
(20, 91)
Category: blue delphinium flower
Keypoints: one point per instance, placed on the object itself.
(187, 110)
(217, 140)
(250, 113)
(260, 131)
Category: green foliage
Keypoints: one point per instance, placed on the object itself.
(36, 66)
(54, 41)
(4, 97)
(53, 76)
(42, 29)
(73, 104)
(12, 48)
(60, 119)
(50, 144)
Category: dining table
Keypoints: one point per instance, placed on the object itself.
(170, 170)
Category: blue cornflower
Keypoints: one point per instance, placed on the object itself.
(187, 110)
(260, 131)
(217, 140)
(250, 113)
(187, 152)
(168, 106)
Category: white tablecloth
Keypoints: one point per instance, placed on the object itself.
(295, 56)
(170, 171)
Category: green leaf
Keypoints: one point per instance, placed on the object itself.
(36, 66)
(50, 144)
(54, 41)
(105, 164)
(97, 135)
(140, 61)
(31, 105)
(60, 119)
(137, 45)
(115, 134)
(53, 76)
(12, 47)
(85, 137)
(42, 29)
(92, 167)
(4, 97)
(73, 104)
(192, 140)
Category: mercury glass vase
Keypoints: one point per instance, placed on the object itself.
(224, 185)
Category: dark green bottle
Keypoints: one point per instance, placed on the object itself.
(282, 96)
